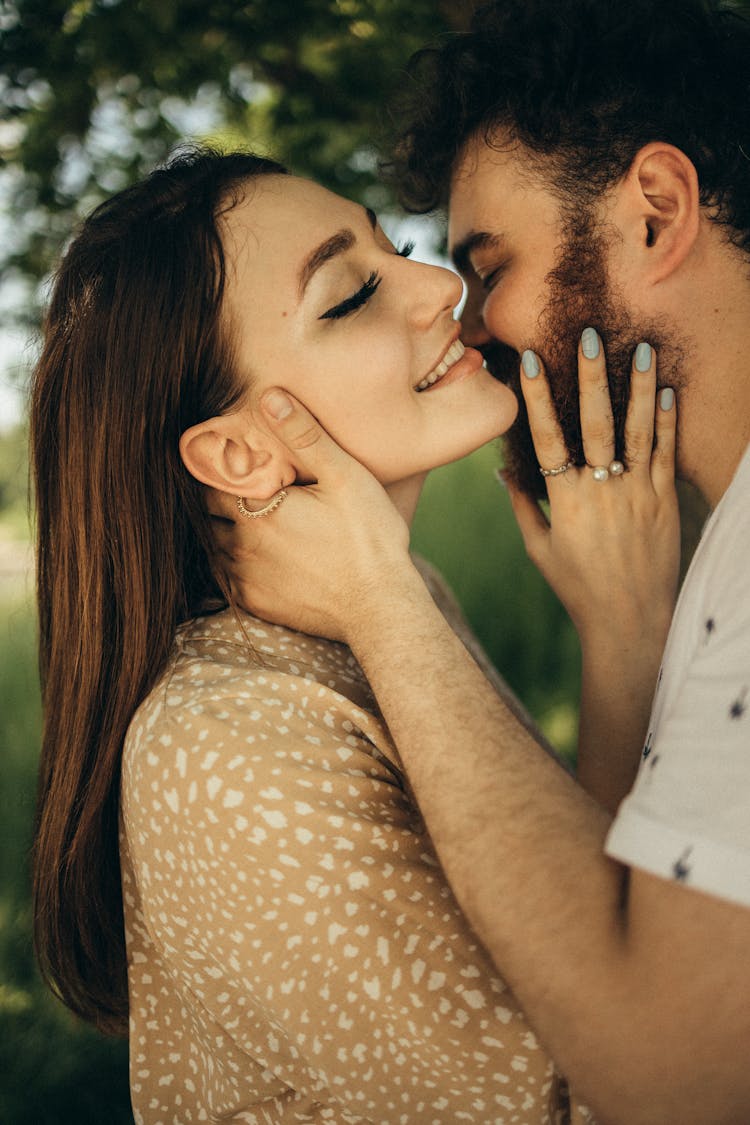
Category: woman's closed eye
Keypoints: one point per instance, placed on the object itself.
(363, 294)
(349, 304)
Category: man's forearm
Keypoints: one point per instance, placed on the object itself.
(520, 841)
(446, 602)
(522, 845)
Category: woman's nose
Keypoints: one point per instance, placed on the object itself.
(437, 290)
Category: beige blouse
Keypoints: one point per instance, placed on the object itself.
(294, 951)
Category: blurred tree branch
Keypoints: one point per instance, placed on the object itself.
(95, 92)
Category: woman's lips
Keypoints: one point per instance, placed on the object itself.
(468, 361)
(452, 355)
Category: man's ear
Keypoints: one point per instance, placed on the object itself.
(232, 454)
(659, 203)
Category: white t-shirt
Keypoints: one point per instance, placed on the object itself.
(688, 815)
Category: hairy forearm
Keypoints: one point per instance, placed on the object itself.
(522, 844)
(520, 841)
(446, 602)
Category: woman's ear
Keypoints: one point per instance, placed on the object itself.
(659, 203)
(232, 454)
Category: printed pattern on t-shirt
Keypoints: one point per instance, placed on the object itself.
(688, 816)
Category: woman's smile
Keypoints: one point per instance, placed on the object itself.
(456, 364)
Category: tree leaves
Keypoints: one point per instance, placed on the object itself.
(95, 92)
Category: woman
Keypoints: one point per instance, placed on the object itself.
(291, 949)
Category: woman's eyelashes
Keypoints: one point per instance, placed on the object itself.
(363, 294)
(355, 301)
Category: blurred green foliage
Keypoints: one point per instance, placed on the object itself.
(53, 1070)
(14, 483)
(95, 92)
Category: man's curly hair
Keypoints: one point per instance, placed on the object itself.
(583, 84)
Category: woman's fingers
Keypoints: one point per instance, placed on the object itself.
(663, 457)
(551, 451)
(597, 426)
(649, 440)
(651, 425)
(639, 424)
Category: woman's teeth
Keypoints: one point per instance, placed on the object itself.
(454, 353)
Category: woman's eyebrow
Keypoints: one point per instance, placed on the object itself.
(339, 242)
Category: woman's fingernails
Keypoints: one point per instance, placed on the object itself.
(530, 364)
(643, 357)
(590, 343)
(666, 398)
(277, 404)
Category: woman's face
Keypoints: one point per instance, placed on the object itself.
(321, 303)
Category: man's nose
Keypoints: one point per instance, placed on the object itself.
(473, 329)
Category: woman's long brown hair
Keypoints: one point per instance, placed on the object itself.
(133, 355)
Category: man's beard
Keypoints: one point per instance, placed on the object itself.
(580, 297)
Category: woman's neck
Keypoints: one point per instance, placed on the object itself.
(405, 495)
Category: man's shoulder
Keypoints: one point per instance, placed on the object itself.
(720, 570)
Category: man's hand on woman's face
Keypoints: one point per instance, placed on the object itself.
(314, 561)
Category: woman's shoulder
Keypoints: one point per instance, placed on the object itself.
(232, 648)
(231, 677)
(244, 713)
(231, 635)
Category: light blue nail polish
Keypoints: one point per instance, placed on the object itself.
(666, 398)
(590, 343)
(643, 357)
(530, 364)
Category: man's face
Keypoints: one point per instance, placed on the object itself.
(537, 276)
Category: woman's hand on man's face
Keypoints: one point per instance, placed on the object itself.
(610, 548)
(317, 560)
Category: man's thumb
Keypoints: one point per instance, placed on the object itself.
(297, 429)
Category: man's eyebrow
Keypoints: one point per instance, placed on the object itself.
(475, 240)
(338, 243)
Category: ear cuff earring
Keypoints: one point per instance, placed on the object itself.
(271, 506)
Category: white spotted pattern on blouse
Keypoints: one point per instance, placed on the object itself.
(294, 951)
